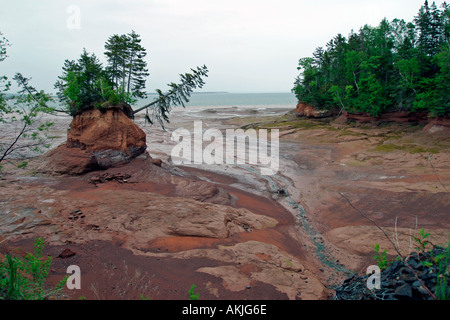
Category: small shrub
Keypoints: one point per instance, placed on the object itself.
(381, 258)
(421, 241)
(192, 295)
(24, 278)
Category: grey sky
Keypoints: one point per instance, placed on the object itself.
(248, 45)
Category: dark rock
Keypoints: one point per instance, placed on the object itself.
(387, 284)
(395, 265)
(403, 292)
(426, 275)
(424, 293)
(414, 263)
(407, 275)
(157, 162)
(67, 253)
(398, 281)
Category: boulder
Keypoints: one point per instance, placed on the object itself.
(68, 161)
(403, 292)
(97, 139)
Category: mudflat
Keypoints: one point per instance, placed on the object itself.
(142, 229)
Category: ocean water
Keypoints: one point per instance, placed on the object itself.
(284, 100)
(229, 105)
(222, 99)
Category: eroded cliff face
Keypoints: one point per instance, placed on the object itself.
(97, 139)
(432, 124)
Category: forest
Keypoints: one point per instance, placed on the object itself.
(395, 66)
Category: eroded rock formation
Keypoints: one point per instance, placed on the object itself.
(97, 139)
(308, 111)
(432, 124)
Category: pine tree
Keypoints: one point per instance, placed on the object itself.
(423, 23)
(429, 28)
(126, 67)
(137, 71)
(82, 82)
(437, 29)
(446, 23)
(116, 54)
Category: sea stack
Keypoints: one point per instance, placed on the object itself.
(97, 139)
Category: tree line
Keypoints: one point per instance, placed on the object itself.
(396, 66)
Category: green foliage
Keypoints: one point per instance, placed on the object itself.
(442, 290)
(142, 297)
(437, 261)
(392, 67)
(437, 258)
(421, 241)
(25, 278)
(86, 84)
(192, 294)
(82, 84)
(381, 257)
(127, 68)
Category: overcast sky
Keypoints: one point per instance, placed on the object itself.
(247, 45)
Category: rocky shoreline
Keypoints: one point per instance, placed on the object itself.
(290, 236)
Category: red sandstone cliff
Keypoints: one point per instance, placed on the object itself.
(433, 124)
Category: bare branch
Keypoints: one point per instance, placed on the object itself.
(435, 172)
